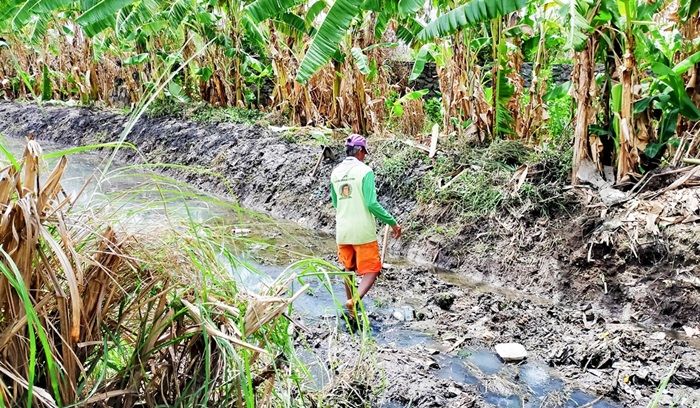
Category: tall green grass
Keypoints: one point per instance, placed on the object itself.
(178, 276)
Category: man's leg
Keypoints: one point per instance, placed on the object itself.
(348, 258)
(349, 282)
(350, 303)
(369, 265)
(366, 283)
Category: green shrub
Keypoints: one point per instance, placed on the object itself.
(543, 193)
(537, 199)
(165, 107)
(390, 99)
(506, 153)
(433, 110)
(201, 112)
(207, 113)
(555, 161)
(558, 128)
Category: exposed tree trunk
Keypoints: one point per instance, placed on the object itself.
(361, 103)
(335, 109)
(629, 151)
(534, 111)
(496, 38)
(584, 92)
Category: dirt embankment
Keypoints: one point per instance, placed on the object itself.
(611, 275)
(259, 168)
(576, 255)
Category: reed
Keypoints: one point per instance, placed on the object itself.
(95, 316)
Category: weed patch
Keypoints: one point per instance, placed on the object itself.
(229, 114)
(203, 113)
(312, 136)
(433, 110)
(476, 182)
(471, 190)
(506, 154)
(397, 169)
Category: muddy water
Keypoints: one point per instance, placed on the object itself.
(270, 245)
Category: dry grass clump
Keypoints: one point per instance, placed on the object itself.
(412, 123)
(355, 377)
(94, 318)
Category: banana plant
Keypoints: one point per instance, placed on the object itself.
(469, 14)
(327, 39)
(473, 14)
(644, 111)
(94, 16)
(341, 15)
(668, 99)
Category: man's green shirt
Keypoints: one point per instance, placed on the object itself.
(355, 216)
(370, 199)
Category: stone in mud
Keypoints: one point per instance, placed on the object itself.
(404, 314)
(511, 351)
(445, 300)
(658, 336)
(424, 314)
(691, 331)
(451, 392)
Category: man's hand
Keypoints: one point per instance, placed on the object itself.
(396, 231)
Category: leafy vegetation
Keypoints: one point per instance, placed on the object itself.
(474, 181)
(433, 110)
(95, 315)
(528, 93)
(203, 113)
(631, 99)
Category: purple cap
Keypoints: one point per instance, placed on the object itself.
(355, 140)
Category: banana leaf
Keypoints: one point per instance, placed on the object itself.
(470, 14)
(328, 37)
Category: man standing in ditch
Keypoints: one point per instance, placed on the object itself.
(354, 197)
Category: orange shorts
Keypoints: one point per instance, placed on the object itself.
(362, 258)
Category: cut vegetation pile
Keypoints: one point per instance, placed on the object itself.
(92, 317)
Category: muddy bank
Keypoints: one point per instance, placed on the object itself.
(255, 166)
(593, 295)
(572, 256)
(609, 357)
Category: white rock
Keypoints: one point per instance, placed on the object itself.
(511, 351)
(610, 196)
(398, 315)
(658, 336)
(691, 331)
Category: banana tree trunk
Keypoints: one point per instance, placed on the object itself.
(584, 91)
(361, 103)
(335, 110)
(495, 76)
(628, 154)
(534, 113)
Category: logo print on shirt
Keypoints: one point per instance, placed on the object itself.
(345, 191)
